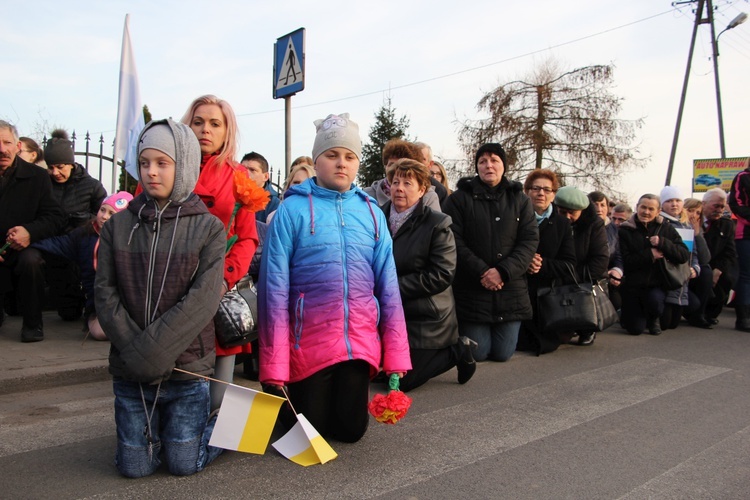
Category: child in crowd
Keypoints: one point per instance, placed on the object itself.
(158, 286)
(81, 246)
(329, 301)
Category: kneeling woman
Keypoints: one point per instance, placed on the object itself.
(644, 240)
(425, 253)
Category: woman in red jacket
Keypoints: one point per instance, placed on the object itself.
(214, 123)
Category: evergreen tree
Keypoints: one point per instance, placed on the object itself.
(386, 127)
(126, 182)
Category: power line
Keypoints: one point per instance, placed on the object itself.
(448, 75)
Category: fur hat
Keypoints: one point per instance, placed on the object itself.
(571, 198)
(336, 131)
(670, 193)
(118, 201)
(491, 148)
(59, 149)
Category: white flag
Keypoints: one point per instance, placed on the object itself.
(303, 444)
(246, 420)
(129, 109)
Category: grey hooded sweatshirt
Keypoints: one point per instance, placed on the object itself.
(159, 277)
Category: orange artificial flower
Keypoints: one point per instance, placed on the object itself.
(248, 194)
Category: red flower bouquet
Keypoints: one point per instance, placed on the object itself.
(392, 407)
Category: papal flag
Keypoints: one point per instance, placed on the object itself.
(246, 420)
(303, 445)
(130, 119)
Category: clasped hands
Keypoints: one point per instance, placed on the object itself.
(492, 280)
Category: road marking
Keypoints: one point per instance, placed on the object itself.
(520, 417)
(728, 462)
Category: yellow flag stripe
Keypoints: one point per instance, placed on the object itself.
(259, 424)
(307, 457)
(323, 449)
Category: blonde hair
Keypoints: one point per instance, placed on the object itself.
(302, 160)
(443, 175)
(301, 166)
(694, 204)
(228, 150)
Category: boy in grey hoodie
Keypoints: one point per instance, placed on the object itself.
(158, 286)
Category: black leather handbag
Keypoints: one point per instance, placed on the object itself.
(236, 320)
(578, 307)
(674, 275)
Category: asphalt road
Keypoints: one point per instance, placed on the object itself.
(629, 417)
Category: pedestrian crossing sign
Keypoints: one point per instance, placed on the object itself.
(289, 64)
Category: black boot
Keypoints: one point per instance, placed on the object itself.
(466, 365)
(32, 334)
(586, 338)
(700, 321)
(743, 318)
(654, 328)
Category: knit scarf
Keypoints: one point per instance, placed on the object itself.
(545, 215)
(396, 220)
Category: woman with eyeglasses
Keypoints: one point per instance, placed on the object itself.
(437, 171)
(551, 260)
(31, 151)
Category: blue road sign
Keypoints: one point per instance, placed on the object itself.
(289, 64)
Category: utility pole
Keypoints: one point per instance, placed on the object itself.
(715, 49)
(698, 21)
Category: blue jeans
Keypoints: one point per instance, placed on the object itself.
(180, 429)
(743, 280)
(495, 341)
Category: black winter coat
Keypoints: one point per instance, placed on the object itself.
(641, 270)
(558, 259)
(425, 254)
(27, 201)
(80, 197)
(557, 250)
(720, 237)
(494, 227)
(592, 248)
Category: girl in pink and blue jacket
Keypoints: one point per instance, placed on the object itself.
(329, 302)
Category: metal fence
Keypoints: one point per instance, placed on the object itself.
(97, 163)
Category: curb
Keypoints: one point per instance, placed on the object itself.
(50, 379)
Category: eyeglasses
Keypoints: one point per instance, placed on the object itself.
(546, 190)
(618, 219)
(436, 174)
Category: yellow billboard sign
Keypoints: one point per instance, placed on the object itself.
(717, 172)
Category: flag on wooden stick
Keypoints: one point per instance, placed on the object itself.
(130, 119)
(246, 420)
(303, 444)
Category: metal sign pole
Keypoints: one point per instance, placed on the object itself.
(288, 79)
(287, 133)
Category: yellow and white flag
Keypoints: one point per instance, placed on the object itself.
(246, 420)
(303, 445)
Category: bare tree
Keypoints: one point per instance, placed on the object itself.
(564, 121)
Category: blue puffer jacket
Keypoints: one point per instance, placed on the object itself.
(77, 246)
(328, 290)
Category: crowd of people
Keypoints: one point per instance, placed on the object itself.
(407, 276)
